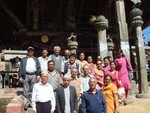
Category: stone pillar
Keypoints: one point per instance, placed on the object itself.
(122, 28)
(100, 23)
(137, 22)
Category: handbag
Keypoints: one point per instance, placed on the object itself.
(121, 93)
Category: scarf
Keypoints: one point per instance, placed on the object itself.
(99, 73)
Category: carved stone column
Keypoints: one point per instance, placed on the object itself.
(136, 21)
(100, 23)
(122, 27)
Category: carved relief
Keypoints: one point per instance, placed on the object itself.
(35, 12)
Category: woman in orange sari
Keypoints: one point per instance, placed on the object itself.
(111, 95)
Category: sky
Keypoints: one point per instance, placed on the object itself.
(146, 35)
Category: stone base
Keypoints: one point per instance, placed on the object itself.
(144, 95)
(15, 106)
(134, 88)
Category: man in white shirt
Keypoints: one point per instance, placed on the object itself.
(43, 99)
(85, 77)
(43, 60)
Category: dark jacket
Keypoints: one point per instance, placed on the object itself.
(60, 99)
(22, 67)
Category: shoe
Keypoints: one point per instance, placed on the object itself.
(26, 106)
(125, 103)
(30, 106)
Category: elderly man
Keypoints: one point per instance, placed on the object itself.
(30, 72)
(71, 64)
(43, 99)
(66, 98)
(65, 58)
(76, 82)
(53, 76)
(85, 77)
(56, 58)
(93, 100)
(43, 60)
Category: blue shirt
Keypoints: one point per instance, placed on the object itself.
(93, 103)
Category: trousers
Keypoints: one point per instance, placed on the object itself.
(43, 107)
(29, 82)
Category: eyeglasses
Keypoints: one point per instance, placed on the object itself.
(107, 79)
(99, 63)
(118, 53)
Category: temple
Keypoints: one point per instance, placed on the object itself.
(101, 26)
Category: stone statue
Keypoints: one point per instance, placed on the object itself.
(137, 3)
(72, 37)
(72, 43)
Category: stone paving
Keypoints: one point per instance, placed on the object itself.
(135, 105)
(138, 106)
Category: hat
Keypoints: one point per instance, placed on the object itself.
(30, 48)
(67, 75)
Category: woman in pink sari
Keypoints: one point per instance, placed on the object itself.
(90, 63)
(99, 74)
(121, 66)
(106, 66)
(113, 73)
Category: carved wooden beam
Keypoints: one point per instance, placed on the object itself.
(14, 19)
(80, 11)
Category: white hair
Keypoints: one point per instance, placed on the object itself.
(86, 65)
(56, 47)
(44, 72)
(93, 78)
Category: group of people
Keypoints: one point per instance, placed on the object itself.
(65, 84)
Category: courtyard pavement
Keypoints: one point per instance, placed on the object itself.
(135, 105)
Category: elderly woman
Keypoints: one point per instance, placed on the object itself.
(99, 74)
(111, 95)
